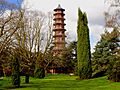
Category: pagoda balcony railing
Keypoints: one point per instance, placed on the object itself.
(58, 21)
(58, 16)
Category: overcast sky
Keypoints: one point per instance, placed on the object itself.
(93, 8)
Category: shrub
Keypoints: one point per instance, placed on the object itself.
(114, 70)
(39, 73)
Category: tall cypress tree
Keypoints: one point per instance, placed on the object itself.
(83, 47)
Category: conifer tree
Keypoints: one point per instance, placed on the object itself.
(83, 47)
(114, 46)
(100, 57)
(106, 58)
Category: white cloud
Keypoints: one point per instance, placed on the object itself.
(93, 8)
(95, 32)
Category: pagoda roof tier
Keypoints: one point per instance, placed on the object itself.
(59, 29)
(58, 23)
(59, 13)
(59, 8)
(59, 18)
(59, 36)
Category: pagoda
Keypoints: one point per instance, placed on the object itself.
(58, 31)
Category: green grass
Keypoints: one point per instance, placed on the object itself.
(61, 82)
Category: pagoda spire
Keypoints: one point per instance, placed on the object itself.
(59, 6)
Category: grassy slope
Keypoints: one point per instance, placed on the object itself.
(62, 82)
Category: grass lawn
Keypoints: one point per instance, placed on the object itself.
(61, 82)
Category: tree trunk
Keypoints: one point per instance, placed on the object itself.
(15, 72)
(27, 79)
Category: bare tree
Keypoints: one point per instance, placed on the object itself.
(112, 15)
(33, 40)
(27, 33)
(10, 19)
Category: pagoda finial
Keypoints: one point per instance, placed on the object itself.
(59, 6)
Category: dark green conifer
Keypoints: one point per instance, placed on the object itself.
(106, 58)
(100, 58)
(83, 47)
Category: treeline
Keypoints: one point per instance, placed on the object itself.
(25, 39)
(26, 45)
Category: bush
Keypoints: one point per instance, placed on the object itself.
(8, 71)
(39, 73)
(114, 70)
(98, 73)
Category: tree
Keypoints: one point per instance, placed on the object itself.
(114, 46)
(69, 58)
(105, 59)
(112, 13)
(32, 44)
(10, 18)
(83, 47)
(112, 20)
(9, 22)
(100, 58)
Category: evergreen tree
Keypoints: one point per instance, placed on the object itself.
(114, 46)
(106, 58)
(69, 58)
(100, 58)
(83, 47)
(16, 72)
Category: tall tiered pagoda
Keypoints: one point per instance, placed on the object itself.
(59, 31)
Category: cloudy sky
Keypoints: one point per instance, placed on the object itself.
(93, 8)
